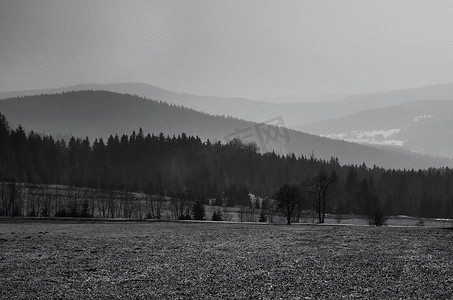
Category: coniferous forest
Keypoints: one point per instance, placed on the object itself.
(167, 166)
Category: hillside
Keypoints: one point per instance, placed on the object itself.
(100, 113)
(253, 110)
(422, 126)
(391, 98)
(296, 115)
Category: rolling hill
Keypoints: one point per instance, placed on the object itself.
(391, 98)
(421, 126)
(101, 113)
(253, 110)
(295, 114)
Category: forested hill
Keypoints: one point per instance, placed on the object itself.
(162, 165)
(422, 126)
(247, 109)
(100, 113)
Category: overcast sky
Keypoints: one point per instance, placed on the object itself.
(242, 48)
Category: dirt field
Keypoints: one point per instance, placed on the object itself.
(223, 261)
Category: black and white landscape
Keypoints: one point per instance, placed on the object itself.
(226, 150)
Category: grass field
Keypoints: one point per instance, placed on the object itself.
(168, 260)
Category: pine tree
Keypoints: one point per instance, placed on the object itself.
(198, 211)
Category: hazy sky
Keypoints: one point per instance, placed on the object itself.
(228, 48)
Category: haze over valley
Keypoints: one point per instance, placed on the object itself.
(99, 114)
(416, 120)
(149, 148)
(331, 69)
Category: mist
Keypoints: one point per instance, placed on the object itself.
(252, 49)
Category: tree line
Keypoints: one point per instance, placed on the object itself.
(185, 167)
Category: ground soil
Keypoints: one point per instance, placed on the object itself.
(142, 260)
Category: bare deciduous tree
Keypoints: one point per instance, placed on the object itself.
(319, 186)
(288, 200)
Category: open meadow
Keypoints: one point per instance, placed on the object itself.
(183, 260)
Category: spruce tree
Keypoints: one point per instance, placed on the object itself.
(198, 211)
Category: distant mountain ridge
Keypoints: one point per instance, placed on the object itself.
(252, 110)
(288, 99)
(295, 115)
(101, 113)
(422, 126)
(427, 93)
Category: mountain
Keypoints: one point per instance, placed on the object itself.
(391, 98)
(421, 126)
(304, 98)
(295, 113)
(101, 113)
(253, 110)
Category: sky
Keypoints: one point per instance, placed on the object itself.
(253, 49)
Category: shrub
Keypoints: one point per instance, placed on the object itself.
(185, 217)
(217, 215)
(32, 213)
(263, 217)
(420, 223)
(61, 213)
(85, 213)
(377, 217)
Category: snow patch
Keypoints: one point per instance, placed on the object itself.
(398, 143)
(422, 117)
(373, 137)
(377, 133)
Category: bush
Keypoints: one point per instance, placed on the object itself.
(45, 211)
(85, 213)
(185, 217)
(61, 213)
(32, 213)
(377, 217)
(72, 210)
(420, 223)
(217, 215)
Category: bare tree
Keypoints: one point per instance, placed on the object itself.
(159, 203)
(319, 186)
(288, 200)
(181, 204)
(13, 205)
(4, 198)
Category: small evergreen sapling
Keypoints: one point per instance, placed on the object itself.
(198, 211)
